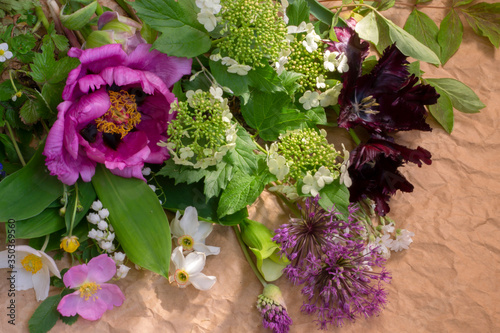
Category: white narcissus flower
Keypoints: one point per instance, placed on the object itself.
(188, 270)
(4, 52)
(309, 100)
(31, 269)
(191, 233)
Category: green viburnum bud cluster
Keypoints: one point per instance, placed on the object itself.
(202, 132)
(310, 64)
(253, 31)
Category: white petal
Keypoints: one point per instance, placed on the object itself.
(50, 264)
(208, 250)
(175, 227)
(189, 222)
(4, 46)
(195, 262)
(24, 279)
(204, 229)
(201, 281)
(4, 263)
(178, 257)
(41, 283)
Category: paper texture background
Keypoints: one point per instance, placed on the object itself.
(448, 281)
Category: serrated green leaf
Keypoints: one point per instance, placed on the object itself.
(243, 156)
(29, 112)
(270, 114)
(463, 98)
(442, 111)
(289, 81)
(80, 18)
(265, 79)
(316, 116)
(61, 42)
(182, 34)
(6, 90)
(450, 35)
(335, 194)
(45, 315)
(367, 28)
(237, 83)
(45, 223)
(29, 191)
(44, 64)
(63, 67)
(69, 320)
(320, 12)
(217, 180)
(423, 28)
(484, 18)
(297, 12)
(406, 43)
(181, 173)
(138, 219)
(243, 190)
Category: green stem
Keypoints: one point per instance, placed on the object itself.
(247, 256)
(74, 211)
(14, 142)
(41, 17)
(45, 243)
(354, 136)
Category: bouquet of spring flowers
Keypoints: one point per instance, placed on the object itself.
(129, 132)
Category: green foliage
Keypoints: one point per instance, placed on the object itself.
(45, 223)
(138, 219)
(217, 180)
(45, 316)
(237, 83)
(335, 194)
(46, 69)
(182, 34)
(79, 18)
(14, 6)
(450, 35)
(59, 41)
(484, 18)
(265, 79)
(297, 12)
(442, 111)
(320, 12)
(423, 28)
(462, 97)
(86, 195)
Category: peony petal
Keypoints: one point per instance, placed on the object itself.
(189, 221)
(68, 306)
(168, 69)
(90, 83)
(178, 257)
(130, 172)
(125, 76)
(101, 269)
(201, 281)
(208, 250)
(76, 276)
(99, 58)
(41, 283)
(111, 295)
(194, 262)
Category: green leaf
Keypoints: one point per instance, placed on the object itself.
(237, 83)
(52, 95)
(289, 81)
(384, 40)
(78, 19)
(29, 112)
(457, 3)
(414, 68)
(385, 5)
(29, 191)
(270, 115)
(69, 320)
(45, 223)
(408, 44)
(316, 116)
(46, 69)
(61, 42)
(450, 35)
(86, 196)
(462, 97)
(181, 173)
(63, 67)
(6, 90)
(335, 194)
(217, 180)
(182, 34)
(243, 156)
(265, 79)
(45, 315)
(484, 18)
(138, 219)
(320, 12)
(423, 28)
(297, 12)
(367, 28)
(442, 111)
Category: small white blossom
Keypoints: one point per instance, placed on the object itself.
(93, 218)
(122, 271)
(110, 237)
(208, 19)
(4, 52)
(228, 61)
(302, 27)
(278, 167)
(344, 169)
(119, 258)
(17, 95)
(320, 82)
(106, 246)
(151, 186)
(215, 57)
(217, 93)
(284, 6)
(239, 69)
(146, 171)
(310, 185)
(283, 59)
(96, 205)
(104, 213)
(388, 228)
(188, 270)
(311, 41)
(309, 100)
(330, 96)
(102, 225)
(92, 234)
(323, 176)
(402, 241)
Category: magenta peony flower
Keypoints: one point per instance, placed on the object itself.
(115, 110)
(93, 296)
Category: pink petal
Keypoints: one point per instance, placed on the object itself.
(101, 269)
(91, 309)
(111, 295)
(169, 69)
(90, 82)
(97, 59)
(130, 172)
(69, 304)
(76, 276)
(123, 76)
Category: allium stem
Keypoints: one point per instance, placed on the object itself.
(247, 256)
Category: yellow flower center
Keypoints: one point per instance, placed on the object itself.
(70, 244)
(32, 263)
(88, 290)
(186, 242)
(181, 277)
(2, 52)
(122, 116)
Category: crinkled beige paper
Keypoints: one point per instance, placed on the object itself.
(447, 282)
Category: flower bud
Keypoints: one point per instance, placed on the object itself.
(62, 211)
(70, 244)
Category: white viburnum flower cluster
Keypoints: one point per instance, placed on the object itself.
(190, 234)
(335, 61)
(279, 66)
(344, 172)
(314, 184)
(277, 163)
(104, 233)
(309, 100)
(208, 10)
(312, 38)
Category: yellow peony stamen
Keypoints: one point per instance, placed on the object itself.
(32, 263)
(186, 242)
(88, 290)
(181, 277)
(122, 116)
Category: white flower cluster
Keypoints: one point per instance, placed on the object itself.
(312, 38)
(314, 184)
(335, 61)
(276, 163)
(121, 270)
(385, 243)
(208, 10)
(279, 66)
(233, 66)
(344, 172)
(312, 99)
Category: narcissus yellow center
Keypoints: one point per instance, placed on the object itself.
(32, 263)
(122, 116)
(88, 290)
(181, 277)
(186, 242)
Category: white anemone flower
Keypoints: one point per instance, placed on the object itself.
(191, 233)
(188, 270)
(31, 269)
